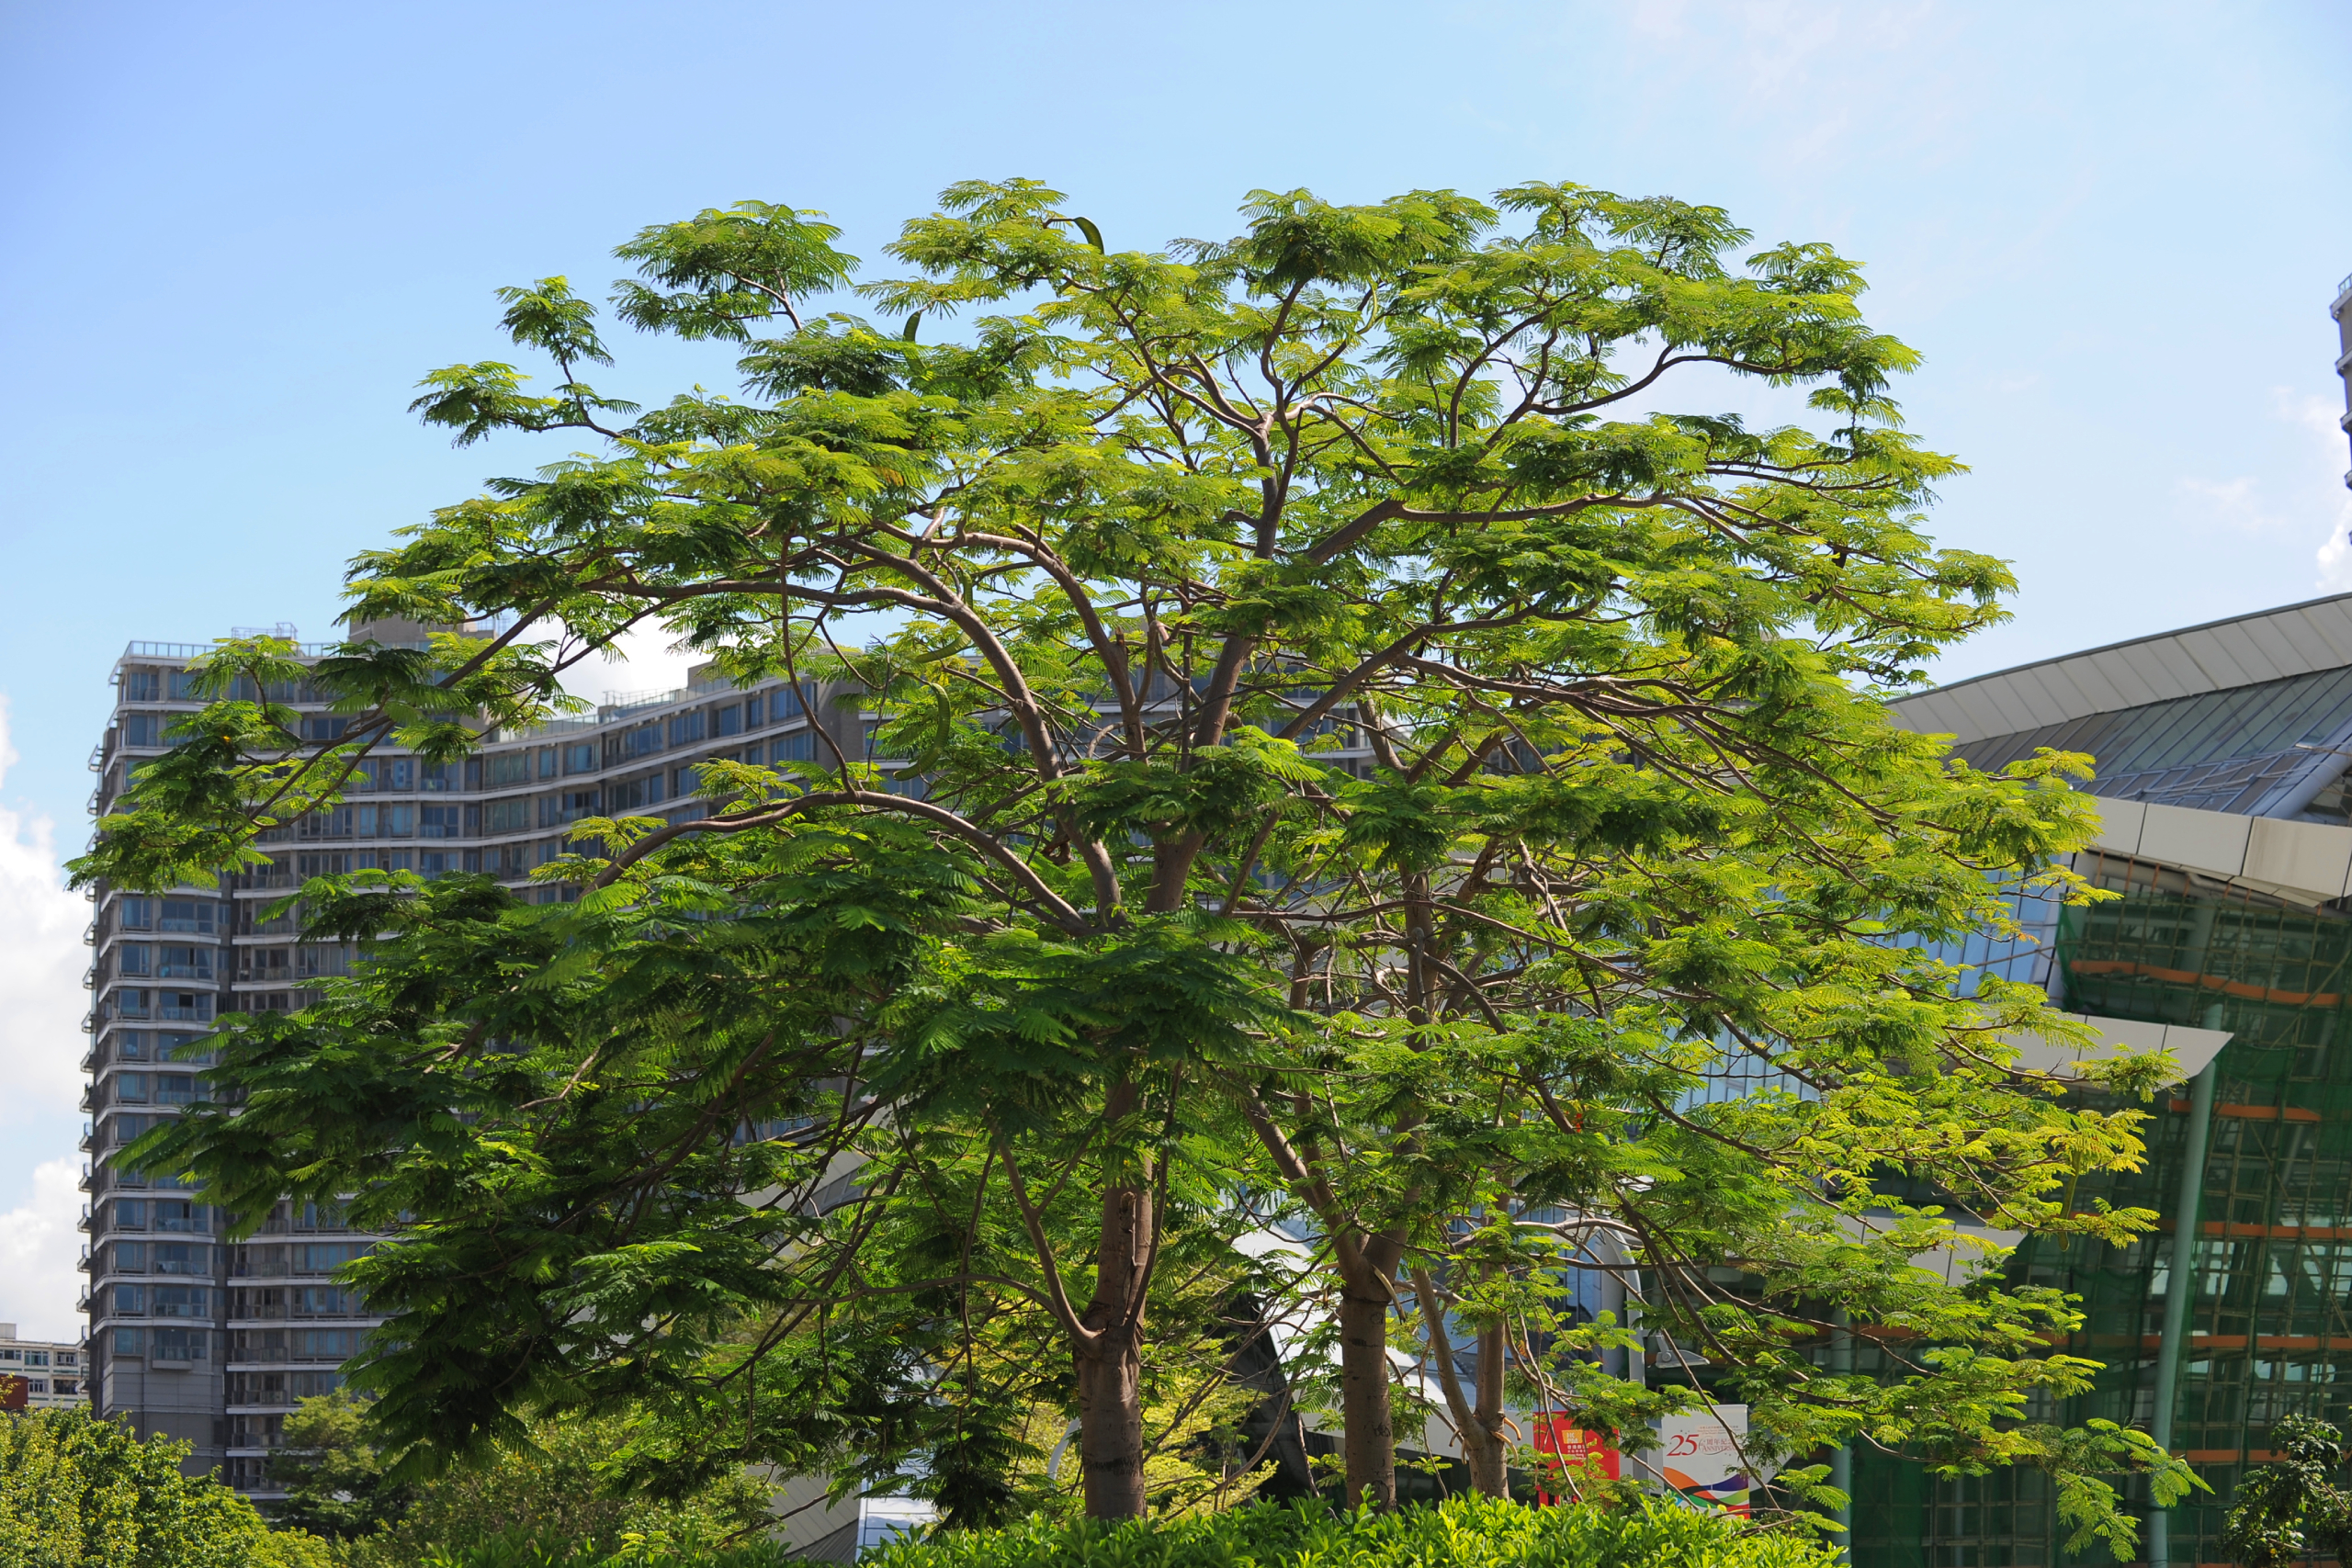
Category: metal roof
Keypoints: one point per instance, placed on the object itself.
(2220, 656)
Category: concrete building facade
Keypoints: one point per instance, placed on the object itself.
(50, 1371)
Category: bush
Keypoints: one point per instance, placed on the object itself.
(550, 1504)
(654, 1552)
(76, 1492)
(1461, 1532)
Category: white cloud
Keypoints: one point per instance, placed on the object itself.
(42, 963)
(2316, 416)
(39, 1281)
(2234, 504)
(41, 1003)
(2304, 492)
(646, 662)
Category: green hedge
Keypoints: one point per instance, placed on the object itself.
(1462, 1532)
(519, 1552)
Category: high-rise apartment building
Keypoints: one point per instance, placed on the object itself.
(213, 1342)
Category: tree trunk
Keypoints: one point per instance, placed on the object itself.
(1371, 1436)
(1489, 1466)
(1110, 1368)
(1479, 1425)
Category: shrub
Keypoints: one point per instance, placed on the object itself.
(1461, 1532)
(554, 1504)
(650, 1552)
(76, 1492)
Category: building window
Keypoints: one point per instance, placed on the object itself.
(194, 1005)
(511, 816)
(434, 863)
(175, 1089)
(580, 757)
(315, 960)
(184, 963)
(728, 720)
(439, 822)
(136, 914)
(438, 778)
(130, 1301)
(175, 1215)
(185, 1258)
(130, 1046)
(316, 1301)
(547, 762)
(642, 741)
(130, 1088)
(196, 916)
(573, 804)
(141, 686)
(177, 1343)
(386, 821)
(130, 1004)
(324, 726)
(686, 728)
(130, 1213)
(181, 1301)
(799, 747)
(133, 958)
(186, 686)
(502, 768)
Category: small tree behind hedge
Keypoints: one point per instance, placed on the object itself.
(2292, 1508)
(76, 1490)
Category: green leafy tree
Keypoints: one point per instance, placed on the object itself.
(76, 1491)
(1163, 530)
(2291, 1509)
(333, 1475)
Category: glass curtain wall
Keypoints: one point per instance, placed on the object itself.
(2269, 1253)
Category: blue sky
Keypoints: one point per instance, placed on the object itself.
(235, 235)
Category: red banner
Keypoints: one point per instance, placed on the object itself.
(1578, 1454)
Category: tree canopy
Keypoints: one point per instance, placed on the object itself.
(77, 1490)
(1084, 942)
